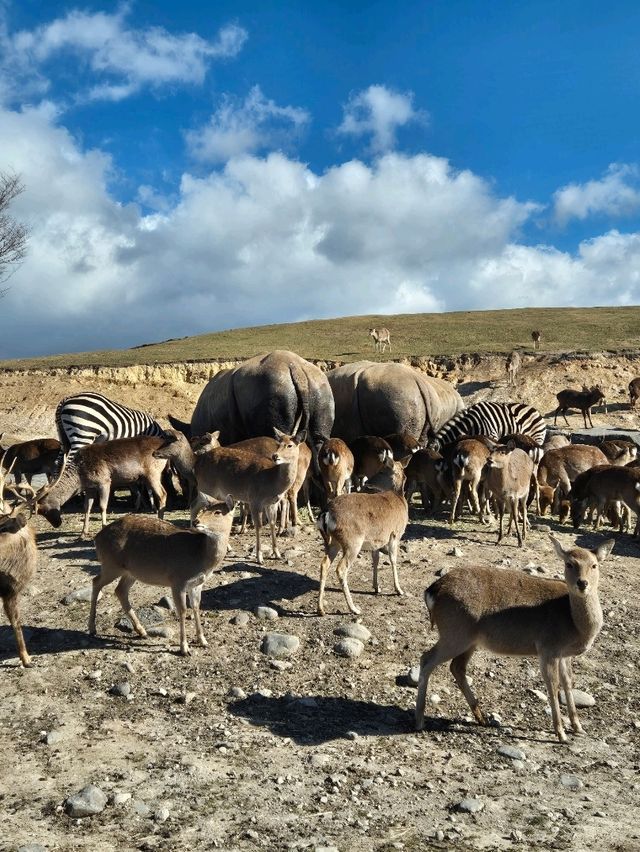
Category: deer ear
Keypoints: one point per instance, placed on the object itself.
(231, 504)
(301, 437)
(603, 550)
(559, 548)
(279, 435)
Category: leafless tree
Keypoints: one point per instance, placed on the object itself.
(13, 234)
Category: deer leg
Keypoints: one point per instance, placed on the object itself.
(394, 547)
(500, 517)
(179, 595)
(342, 570)
(195, 595)
(256, 517)
(103, 501)
(306, 491)
(331, 551)
(445, 649)
(159, 492)
(271, 510)
(122, 593)
(10, 603)
(375, 560)
(457, 486)
(103, 579)
(549, 668)
(88, 503)
(566, 680)
(458, 669)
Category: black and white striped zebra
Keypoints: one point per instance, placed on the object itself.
(493, 419)
(86, 417)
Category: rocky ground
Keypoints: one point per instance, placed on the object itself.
(235, 749)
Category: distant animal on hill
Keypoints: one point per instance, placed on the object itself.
(381, 338)
(512, 366)
(536, 336)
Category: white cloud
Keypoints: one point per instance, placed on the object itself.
(616, 194)
(245, 127)
(379, 111)
(270, 240)
(128, 58)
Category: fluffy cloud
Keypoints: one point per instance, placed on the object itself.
(128, 58)
(378, 112)
(269, 240)
(615, 194)
(245, 127)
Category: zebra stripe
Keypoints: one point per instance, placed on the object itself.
(495, 420)
(87, 417)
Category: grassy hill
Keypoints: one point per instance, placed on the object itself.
(346, 339)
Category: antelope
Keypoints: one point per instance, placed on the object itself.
(511, 613)
(336, 466)
(18, 559)
(381, 338)
(248, 477)
(536, 336)
(583, 400)
(512, 366)
(634, 392)
(508, 478)
(370, 521)
(158, 553)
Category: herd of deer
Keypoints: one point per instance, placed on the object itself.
(506, 612)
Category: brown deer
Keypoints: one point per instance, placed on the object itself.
(512, 366)
(370, 455)
(536, 336)
(634, 392)
(381, 338)
(364, 520)
(30, 458)
(508, 475)
(336, 466)
(603, 486)
(158, 553)
(511, 613)
(583, 400)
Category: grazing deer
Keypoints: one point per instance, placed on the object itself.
(634, 392)
(424, 476)
(30, 458)
(18, 559)
(403, 445)
(381, 338)
(536, 336)
(560, 467)
(512, 366)
(583, 400)
(370, 455)
(603, 486)
(554, 442)
(371, 521)
(158, 553)
(336, 466)
(511, 613)
(508, 473)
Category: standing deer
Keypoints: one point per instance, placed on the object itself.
(511, 613)
(583, 400)
(512, 366)
(381, 338)
(536, 336)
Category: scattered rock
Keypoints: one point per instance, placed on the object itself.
(79, 596)
(122, 688)
(149, 617)
(279, 645)
(237, 692)
(120, 799)
(265, 612)
(161, 814)
(319, 761)
(582, 699)
(166, 602)
(140, 808)
(306, 702)
(95, 675)
(53, 737)
(571, 782)
(413, 675)
(32, 847)
(241, 619)
(352, 735)
(353, 631)
(539, 694)
(280, 665)
(434, 698)
(470, 806)
(89, 801)
(159, 630)
(349, 648)
(456, 551)
(185, 697)
(511, 752)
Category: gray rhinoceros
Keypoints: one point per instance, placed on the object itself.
(279, 390)
(384, 399)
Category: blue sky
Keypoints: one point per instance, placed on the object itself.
(192, 168)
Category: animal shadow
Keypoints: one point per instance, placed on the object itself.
(45, 640)
(313, 720)
(270, 585)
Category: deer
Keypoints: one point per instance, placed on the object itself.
(468, 461)
(560, 467)
(536, 337)
(403, 445)
(155, 552)
(30, 458)
(511, 613)
(370, 455)
(554, 442)
(372, 521)
(512, 366)
(248, 477)
(619, 451)
(605, 485)
(508, 473)
(381, 338)
(423, 475)
(336, 467)
(634, 392)
(583, 400)
(19, 557)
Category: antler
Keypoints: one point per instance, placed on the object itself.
(4, 473)
(31, 503)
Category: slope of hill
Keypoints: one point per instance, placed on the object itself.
(417, 335)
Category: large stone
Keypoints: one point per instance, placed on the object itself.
(79, 596)
(511, 752)
(353, 631)
(89, 801)
(470, 806)
(279, 645)
(582, 699)
(265, 612)
(350, 648)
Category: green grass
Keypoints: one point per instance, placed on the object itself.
(422, 335)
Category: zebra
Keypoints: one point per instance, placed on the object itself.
(86, 417)
(493, 419)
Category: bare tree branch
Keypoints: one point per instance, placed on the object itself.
(13, 234)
